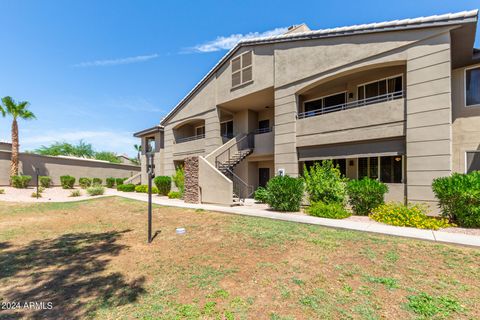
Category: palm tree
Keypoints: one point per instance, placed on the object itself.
(17, 111)
(139, 149)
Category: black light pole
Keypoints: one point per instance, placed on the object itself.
(37, 171)
(150, 175)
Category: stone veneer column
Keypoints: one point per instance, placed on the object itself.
(192, 190)
(285, 132)
(429, 117)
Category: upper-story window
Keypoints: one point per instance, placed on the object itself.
(242, 69)
(150, 144)
(325, 104)
(472, 86)
(199, 131)
(381, 87)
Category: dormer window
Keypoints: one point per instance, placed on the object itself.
(242, 69)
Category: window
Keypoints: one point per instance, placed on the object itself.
(263, 126)
(380, 87)
(325, 104)
(242, 69)
(150, 144)
(226, 129)
(199, 131)
(390, 168)
(472, 86)
(472, 161)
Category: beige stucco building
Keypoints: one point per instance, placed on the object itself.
(396, 101)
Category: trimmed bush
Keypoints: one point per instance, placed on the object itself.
(459, 198)
(365, 194)
(179, 179)
(96, 190)
(85, 182)
(21, 181)
(143, 188)
(174, 195)
(328, 210)
(412, 215)
(97, 182)
(164, 184)
(67, 182)
(119, 181)
(34, 194)
(75, 193)
(110, 182)
(324, 183)
(2, 191)
(285, 193)
(45, 181)
(126, 187)
(261, 195)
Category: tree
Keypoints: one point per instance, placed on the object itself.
(81, 150)
(138, 148)
(107, 156)
(16, 111)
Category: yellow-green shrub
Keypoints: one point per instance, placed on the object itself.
(412, 215)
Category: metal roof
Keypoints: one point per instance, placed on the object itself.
(395, 25)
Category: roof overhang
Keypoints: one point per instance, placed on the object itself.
(449, 19)
(145, 132)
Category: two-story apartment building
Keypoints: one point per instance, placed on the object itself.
(397, 101)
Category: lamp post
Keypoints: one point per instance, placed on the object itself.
(150, 176)
(37, 173)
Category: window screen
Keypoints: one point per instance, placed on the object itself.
(242, 69)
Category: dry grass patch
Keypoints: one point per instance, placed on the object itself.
(91, 260)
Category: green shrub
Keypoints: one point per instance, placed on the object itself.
(75, 193)
(85, 182)
(365, 195)
(164, 184)
(34, 194)
(179, 179)
(96, 190)
(413, 215)
(174, 195)
(324, 183)
(143, 188)
(97, 182)
(2, 191)
(328, 210)
(126, 187)
(285, 193)
(110, 182)
(67, 182)
(45, 181)
(459, 198)
(21, 181)
(261, 195)
(119, 181)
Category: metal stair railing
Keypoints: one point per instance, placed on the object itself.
(240, 188)
(244, 143)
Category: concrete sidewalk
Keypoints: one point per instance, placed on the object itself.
(438, 236)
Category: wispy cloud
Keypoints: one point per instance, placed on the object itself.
(228, 42)
(115, 62)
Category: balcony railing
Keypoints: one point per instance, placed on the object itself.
(352, 104)
(197, 137)
(262, 130)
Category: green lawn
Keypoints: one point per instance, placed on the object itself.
(90, 260)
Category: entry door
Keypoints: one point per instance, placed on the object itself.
(263, 176)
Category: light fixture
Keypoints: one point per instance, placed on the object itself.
(398, 159)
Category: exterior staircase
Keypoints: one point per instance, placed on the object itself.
(228, 159)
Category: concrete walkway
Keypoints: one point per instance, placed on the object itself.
(438, 236)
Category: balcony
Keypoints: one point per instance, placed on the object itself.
(188, 146)
(191, 138)
(264, 142)
(353, 104)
